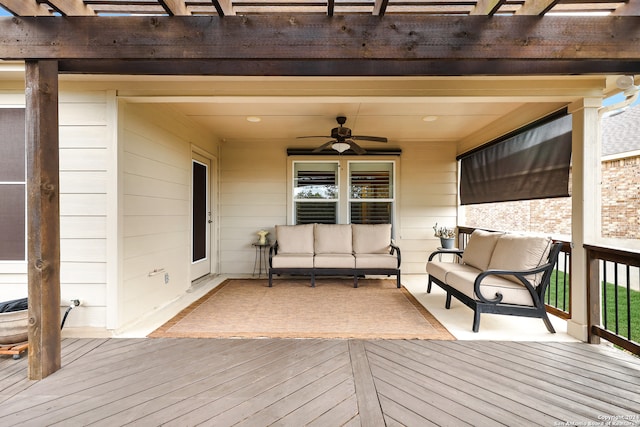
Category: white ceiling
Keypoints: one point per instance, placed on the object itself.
(468, 110)
(395, 120)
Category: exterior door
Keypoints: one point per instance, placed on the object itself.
(201, 217)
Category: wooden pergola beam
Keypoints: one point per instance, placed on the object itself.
(487, 7)
(631, 8)
(43, 217)
(536, 7)
(224, 7)
(318, 45)
(175, 7)
(26, 8)
(71, 7)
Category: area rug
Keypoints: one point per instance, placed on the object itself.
(248, 308)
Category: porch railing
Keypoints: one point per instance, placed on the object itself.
(614, 296)
(558, 296)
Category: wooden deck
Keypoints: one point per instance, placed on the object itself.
(186, 382)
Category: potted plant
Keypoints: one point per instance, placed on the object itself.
(447, 236)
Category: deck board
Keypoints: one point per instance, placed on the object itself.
(243, 382)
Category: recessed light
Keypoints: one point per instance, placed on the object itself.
(254, 119)
(429, 118)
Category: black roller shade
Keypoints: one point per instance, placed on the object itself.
(532, 164)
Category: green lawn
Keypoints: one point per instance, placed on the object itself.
(634, 306)
(557, 296)
(558, 291)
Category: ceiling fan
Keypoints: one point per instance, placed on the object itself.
(343, 140)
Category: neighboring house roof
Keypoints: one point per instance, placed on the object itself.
(621, 133)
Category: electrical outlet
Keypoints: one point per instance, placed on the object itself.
(166, 278)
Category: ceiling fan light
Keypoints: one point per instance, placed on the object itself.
(429, 118)
(340, 147)
(254, 119)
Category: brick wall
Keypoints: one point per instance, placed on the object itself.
(620, 207)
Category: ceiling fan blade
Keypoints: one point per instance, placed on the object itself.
(370, 138)
(355, 147)
(314, 136)
(323, 146)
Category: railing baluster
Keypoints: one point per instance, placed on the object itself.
(628, 302)
(604, 316)
(613, 308)
(566, 288)
(615, 296)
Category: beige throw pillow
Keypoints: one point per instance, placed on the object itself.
(517, 252)
(479, 248)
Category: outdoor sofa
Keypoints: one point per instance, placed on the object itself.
(498, 273)
(334, 249)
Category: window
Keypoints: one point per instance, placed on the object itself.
(371, 192)
(315, 192)
(12, 185)
(366, 197)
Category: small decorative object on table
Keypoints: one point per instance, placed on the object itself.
(262, 240)
(447, 236)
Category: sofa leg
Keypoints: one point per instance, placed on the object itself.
(547, 323)
(476, 320)
(313, 280)
(355, 280)
(429, 285)
(270, 279)
(447, 303)
(398, 280)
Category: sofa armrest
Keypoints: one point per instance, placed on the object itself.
(520, 275)
(537, 292)
(273, 250)
(458, 252)
(395, 249)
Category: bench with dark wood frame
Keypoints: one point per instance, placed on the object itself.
(484, 304)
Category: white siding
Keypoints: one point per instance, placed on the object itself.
(155, 174)
(84, 143)
(253, 196)
(427, 194)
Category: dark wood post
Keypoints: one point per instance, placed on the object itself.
(43, 214)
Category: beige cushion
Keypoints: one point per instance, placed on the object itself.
(292, 261)
(295, 239)
(517, 252)
(334, 261)
(333, 239)
(479, 248)
(371, 238)
(376, 261)
(441, 269)
(512, 293)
